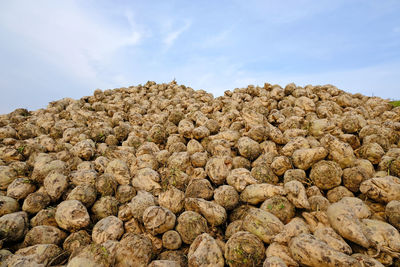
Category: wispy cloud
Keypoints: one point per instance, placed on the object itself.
(174, 34)
(73, 38)
(138, 32)
(63, 40)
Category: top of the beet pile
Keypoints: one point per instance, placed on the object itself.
(164, 175)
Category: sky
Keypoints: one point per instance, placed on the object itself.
(55, 49)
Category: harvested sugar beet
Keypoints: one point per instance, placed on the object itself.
(164, 175)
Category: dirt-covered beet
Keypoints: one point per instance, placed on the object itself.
(205, 250)
(171, 240)
(158, 220)
(190, 224)
(244, 249)
(109, 228)
(72, 215)
(164, 175)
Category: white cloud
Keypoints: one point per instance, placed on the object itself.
(174, 34)
(68, 37)
(138, 32)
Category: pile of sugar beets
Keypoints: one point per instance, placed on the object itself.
(163, 175)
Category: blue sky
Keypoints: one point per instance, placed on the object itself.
(54, 49)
